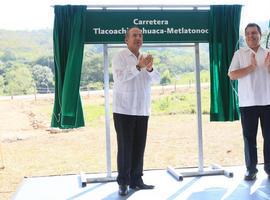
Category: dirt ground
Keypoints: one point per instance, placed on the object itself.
(28, 147)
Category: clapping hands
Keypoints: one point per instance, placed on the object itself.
(253, 60)
(146, 62)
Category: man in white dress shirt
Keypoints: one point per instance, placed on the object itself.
(133, 74)
(251, 66)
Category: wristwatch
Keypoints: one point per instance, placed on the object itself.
(150, 70)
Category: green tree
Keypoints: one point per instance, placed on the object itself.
(1, 85)
(181, 63)
(92, 70)
(166, 78)
(43, 78)
(46, 60)
(18, 80)
(2, 67)
(8, 56)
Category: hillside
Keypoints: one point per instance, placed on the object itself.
(27, 64)
(30, 45)
(26, 45)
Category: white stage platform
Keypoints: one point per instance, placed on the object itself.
(217, 187)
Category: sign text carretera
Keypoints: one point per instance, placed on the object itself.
(156, 26)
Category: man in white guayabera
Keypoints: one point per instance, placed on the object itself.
(133, 74)
(251, 66)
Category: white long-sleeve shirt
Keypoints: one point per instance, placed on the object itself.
(254, 88)
(132, 88)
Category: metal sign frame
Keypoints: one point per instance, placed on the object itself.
(215, 169)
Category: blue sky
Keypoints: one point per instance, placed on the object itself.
(38, 14)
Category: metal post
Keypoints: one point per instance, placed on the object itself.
(199, 110)
(215, 169)
(84, 179)
(107, 109)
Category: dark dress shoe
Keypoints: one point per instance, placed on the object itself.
(250, 175)
(123, 190)
(142, 186)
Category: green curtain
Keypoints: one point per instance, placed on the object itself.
(223, 42)
(68, 40)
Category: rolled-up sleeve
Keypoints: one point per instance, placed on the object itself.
(235, 64)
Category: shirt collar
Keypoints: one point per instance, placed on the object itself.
(128, 52)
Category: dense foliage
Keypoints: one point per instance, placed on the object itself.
(27, 65)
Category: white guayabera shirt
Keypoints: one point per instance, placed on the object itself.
(132, 88)
(254, 88)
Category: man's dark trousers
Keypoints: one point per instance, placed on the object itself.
(131, 133)
(249, 118)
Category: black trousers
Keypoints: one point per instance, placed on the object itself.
(249, 119)
(131, 139)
